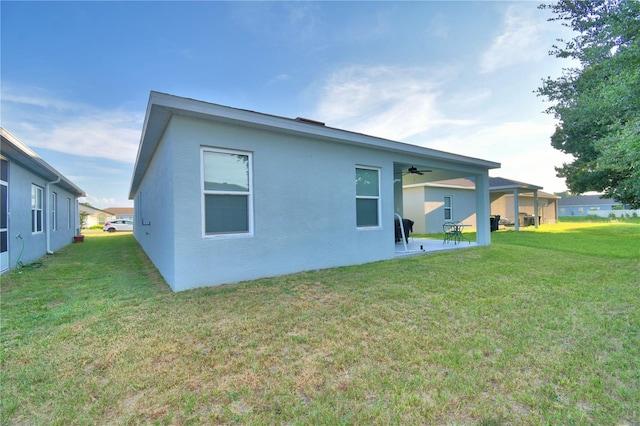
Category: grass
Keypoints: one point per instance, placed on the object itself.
(542, 327)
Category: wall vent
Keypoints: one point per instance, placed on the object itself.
(309, 121)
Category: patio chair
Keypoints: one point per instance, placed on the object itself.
(450, 232)
(453, 232)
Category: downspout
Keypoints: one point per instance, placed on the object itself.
(47, 203)
(536, 208)
(516, 209)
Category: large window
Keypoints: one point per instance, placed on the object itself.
(226, 192)
(36, 209)
(367, 197)
(448, 210)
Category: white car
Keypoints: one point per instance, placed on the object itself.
(118, 225)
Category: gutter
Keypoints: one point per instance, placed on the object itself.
(47, 204)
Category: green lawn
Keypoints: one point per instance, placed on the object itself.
(543, 327)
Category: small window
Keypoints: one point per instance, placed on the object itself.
(36, 209)
(367, 197)
(4, 170)
(54, 211)
(69, 214)
(448, 211)
(226, 192)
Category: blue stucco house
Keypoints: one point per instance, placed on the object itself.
(39, 206)
(582, 205)
(223, 195)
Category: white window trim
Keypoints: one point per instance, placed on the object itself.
(204, 192)
(37, 211)
(378, 198)
(54, 211)
(450, 208)
(69, 225)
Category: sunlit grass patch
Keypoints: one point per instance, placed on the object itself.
(620, 240)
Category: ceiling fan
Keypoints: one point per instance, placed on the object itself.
(414, 171)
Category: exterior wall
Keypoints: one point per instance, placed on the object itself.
(549, 209)
(154, 209)
(425, 206)
(304, 207)
(97, 219)
(499, 206)
(414, 207)
(35, 245)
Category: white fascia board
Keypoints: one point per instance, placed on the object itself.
(22, 154)
(438, 185)
(514, 187)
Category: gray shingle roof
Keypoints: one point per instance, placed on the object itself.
(587, 200)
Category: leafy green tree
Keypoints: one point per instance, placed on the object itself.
(598, 103)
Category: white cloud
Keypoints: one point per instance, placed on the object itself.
(522, 147)
(44, 121)
(386, 101)
(34, 97)
(103, 202)
(111, 134)
(521, 41)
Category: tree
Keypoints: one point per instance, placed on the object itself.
(598, 103)
(83, 220)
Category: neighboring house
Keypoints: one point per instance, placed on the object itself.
(547, 207)
(509, 196)
(582, 205)
(39, 206)
(94, 216)
(121, 212)
(223, 195)
(430, 204)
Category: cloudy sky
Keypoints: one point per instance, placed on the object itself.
(456, 76)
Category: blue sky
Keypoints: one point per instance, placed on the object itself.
(455, 76)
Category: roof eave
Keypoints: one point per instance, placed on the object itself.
(22, 154)
(162, 106)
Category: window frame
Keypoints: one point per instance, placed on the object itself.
(378, 197)
(37, 212)
(448, 209)
(69, 215)
(204, 192)
(54, 211)
(4, 203)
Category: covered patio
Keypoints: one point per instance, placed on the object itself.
(416, 246)
(417, 171)
(500, 186)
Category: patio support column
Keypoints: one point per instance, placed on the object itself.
(536, 211)
(516, 209)
(483, 210)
